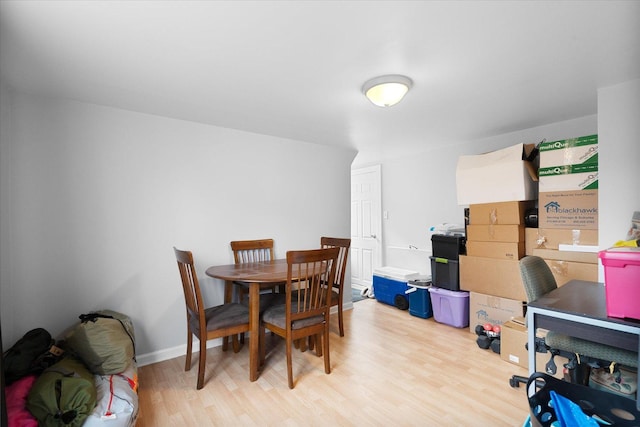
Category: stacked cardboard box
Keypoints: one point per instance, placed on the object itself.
(490, 270)
(499, 176)
(496, 230)
(568, 184)
(568, 209)
(499, 188)
(565, 265)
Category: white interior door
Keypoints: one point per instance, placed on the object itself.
(366, 225)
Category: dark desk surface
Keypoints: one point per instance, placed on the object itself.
(582, 298)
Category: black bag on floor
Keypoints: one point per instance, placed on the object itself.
(24, 357)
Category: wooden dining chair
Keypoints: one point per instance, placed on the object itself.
(229, 319)
(305, 311)
(338, 283)
(252, 251)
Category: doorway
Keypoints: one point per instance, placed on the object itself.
(366, 225)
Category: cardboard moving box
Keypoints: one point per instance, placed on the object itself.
(499, 213)
(499, 250)
(495, 233)
(501, 277)
(574, 151)
(550, 238)
(568, 209)
(492, 276)
(498, 176)
(491, 309)
(563, 271)
(568, 178)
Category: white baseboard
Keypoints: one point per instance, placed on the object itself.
(180, 350)
(170, 353)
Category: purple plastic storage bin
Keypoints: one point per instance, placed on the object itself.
(450, 307)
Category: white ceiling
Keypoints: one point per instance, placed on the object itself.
(295, 69)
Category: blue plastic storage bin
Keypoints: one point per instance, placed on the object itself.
(419, 300)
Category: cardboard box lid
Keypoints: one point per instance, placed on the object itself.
(502, 175)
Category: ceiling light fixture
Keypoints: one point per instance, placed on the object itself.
(385, 91)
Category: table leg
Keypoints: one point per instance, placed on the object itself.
(531, 340)
(228, 296)
(254, 326)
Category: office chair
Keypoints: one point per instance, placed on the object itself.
(538, 280)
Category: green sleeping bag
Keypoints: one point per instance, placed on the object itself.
(63, 395)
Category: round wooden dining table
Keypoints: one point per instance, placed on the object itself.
(257, 275)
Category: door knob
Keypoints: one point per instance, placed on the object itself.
(373, 236)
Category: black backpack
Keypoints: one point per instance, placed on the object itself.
(27, 356)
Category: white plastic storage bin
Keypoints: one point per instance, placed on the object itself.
(390, 285)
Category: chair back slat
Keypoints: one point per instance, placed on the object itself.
(252, 250)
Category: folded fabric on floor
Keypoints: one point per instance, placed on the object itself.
(117, 404)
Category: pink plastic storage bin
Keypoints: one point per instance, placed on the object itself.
(622, 281)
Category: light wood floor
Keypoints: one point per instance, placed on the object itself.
(390, 369)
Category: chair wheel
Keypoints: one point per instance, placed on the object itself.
(514, 383)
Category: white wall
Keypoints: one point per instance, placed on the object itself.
(5, 168)
(618, 160)
(97, 197)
